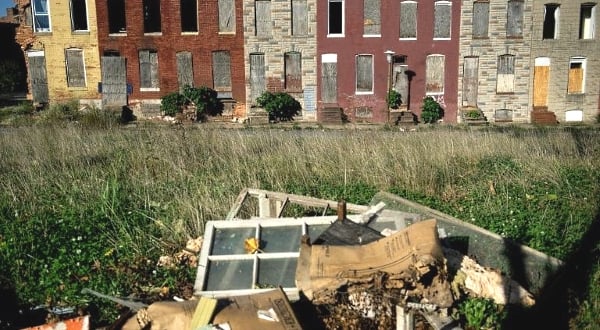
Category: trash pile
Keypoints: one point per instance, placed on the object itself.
(374, 269)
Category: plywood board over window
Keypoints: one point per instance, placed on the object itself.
(470, 81)
(38, 76)
(262, 20)
(221, 64)
(329, 78)
(293, 71)
(408, 20)
(185, 69)
(435, 74)
(226, 16)
(481, 18)
(114, 80)
(364, 74)
(299, 18)
(75, 67)
(506, 74)
(443, 20)
(576, 75)
(514, 19)
(372, 17)
(148, 69)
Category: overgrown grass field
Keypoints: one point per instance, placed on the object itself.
(83, 206)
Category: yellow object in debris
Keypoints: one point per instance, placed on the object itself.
(204, 312)
(252, 245)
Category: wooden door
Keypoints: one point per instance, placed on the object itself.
(329, 82)
(38, 76)
(257, 75)
(541, 74)
(400, 81)
(114, 83)
(470, 81)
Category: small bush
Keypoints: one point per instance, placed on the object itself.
(480, 313)
(61, 113)
(280, 106)
(171, 103)
(394, 99)
(431, 110)
(204, 98)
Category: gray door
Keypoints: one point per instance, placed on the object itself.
(185, 69)
(257, 76)
(114, 81)
(329, 82)
(38, 76)
(470, 81)
(400, 81)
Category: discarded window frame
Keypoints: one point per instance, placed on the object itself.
(299, 18)
(189, 15)
(151, 11)
(41, 16)
(79, 19)
(514, 19)
(551, 21)
(443, 20)
(408, 20)
(293, 71)
(335, 17)
(435, 73)
(481, 19)
(505, 82)
(262, 19)
(226, 16)
(372, 18)
(587, 21)
(116, 16)
(364, 74)
(75, 67)
(148, 70)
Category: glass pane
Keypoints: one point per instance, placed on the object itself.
(314, 231)
(280, 239)
(231, 240)
(275, 272)
(229, 275)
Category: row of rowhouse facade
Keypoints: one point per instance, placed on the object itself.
(508, 58)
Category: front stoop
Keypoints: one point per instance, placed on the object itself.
(541, 116)
(480, 120)
(402, 118)
(330, 115)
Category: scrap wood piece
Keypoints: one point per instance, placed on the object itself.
(133, 305)
(204, 312)
(485, 282)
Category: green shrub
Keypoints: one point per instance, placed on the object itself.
(61, 113)
(431, 110)
(472, 114)
(480, 313)
(171, 103)
(394, 99)
(280, 106)
(204, 98)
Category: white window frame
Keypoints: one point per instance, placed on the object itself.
(336, 35)
(583, 62)
(364, 92)
(556, 20)
(46, 14)
(87, 19)
(428, 93)
(416, 4)
(589, 33)
(443, 3)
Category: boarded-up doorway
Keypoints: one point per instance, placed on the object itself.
(400, 78)
(185, 69)
(114, 81)
(38, 76)
(329, 78)
(470, 81)
(257, 75)
(541, 73)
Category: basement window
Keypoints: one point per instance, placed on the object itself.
(262, 19)
(408, 20)
(435, 72)
(151, 10)
(443, 20)
(221, 66)
(481, 18)
(335, 18)
(576, 75)
(116, 16)
(551, 20)
(364, 74)
(299, 18)
(505, 82)
(226, 16)
(75, 67)
(41, 16)
(189, 15)
(514, 19)
(372, 18)
(79, 20)
(293, 71)
(587, 19)
(148, 70)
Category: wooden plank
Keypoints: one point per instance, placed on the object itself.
(263, 18)
(299, 18)
(540, 85)
(38, 77)
(185, 69)
(575, 80)
(257, 75)
(237, 205)
(329, 82)
(203, 313)
(470, 81)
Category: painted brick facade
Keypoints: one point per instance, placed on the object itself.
(55, 42)
(169, 42)
(275, 44)
(487, 50)
(558, 52)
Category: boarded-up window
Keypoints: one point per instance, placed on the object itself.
(221, 63)
(299, 18)
(185, 69)
(470, 81)
(75, 67)
(551, 19)
(189, 15)
(505, 82)
(41, 16)
(364, 74)
(262, 21)
(408, 20)
(435, 74)
(587, 21)
(443, 20)
(293, 71)
(38, 76)
(336, 17)
(151, 10)
(148, 69)
(329, 78)
(481, 18)
(226, 16)
(79, 15)
(372, 17)
(257, 75)
(514, 19)
(576, 75)
(116, 16)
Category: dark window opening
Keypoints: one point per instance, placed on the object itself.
(189, 16)
(151, 16)
(116, 16)
(79, 15)
(111, 53)
(586, 21)
(550, 21)
(335, 17)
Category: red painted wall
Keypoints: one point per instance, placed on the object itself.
(354, 43)
(171, 41)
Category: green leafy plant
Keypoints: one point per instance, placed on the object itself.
(394, 99)
(203, 98)
(280, 106)
(172, 103)
(480, 313)
(431, 110)
(472, 114)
